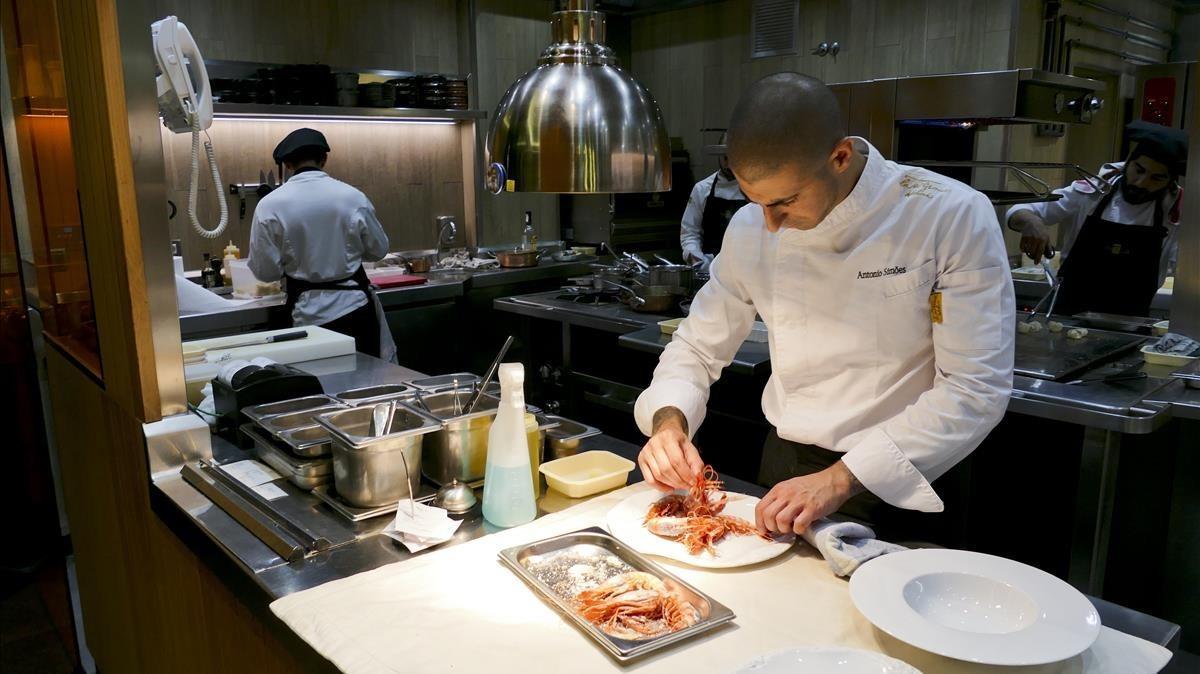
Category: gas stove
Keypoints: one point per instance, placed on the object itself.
(587, 295)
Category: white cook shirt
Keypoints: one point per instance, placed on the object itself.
(858, 366)
(691, 230)
(315, 228)
(1080, 198)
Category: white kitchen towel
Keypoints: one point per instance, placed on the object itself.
(846, 545)
(415, 616)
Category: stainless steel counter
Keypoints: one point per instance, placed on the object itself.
(752, 358)
(198, 326)
(355, 547)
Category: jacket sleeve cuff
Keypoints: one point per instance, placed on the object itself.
(684, 395)
(884, 470)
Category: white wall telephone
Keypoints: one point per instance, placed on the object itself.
(186, 107)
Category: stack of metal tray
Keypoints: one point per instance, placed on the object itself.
(304, 472)
(371, 395)
(543, 565)
(1052, 355)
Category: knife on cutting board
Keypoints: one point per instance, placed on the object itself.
(198, 354)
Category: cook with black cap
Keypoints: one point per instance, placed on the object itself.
(315, 232)
(710, 207)
(1120, 238)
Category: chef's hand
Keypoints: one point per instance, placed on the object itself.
(669, 460)
(792, 505)
(1035, 239)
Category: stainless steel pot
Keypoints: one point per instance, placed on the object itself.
(654, 299)
(419, 264)
(458, 449)
(680, 277)
(369, 470)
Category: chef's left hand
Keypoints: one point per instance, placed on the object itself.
(792, 505)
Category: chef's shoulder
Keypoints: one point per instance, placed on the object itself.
(935, 198)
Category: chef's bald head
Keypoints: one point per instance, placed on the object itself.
(782, 119)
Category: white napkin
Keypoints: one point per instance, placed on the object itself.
(846, 545)
(421, 526)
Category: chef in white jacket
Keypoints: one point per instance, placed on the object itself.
(315, 232)
(890, 311)
(710, 207)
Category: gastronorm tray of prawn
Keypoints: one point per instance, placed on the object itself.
(626, 603)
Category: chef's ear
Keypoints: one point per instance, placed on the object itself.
(841, 155)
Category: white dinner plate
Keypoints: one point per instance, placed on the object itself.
(975, 607)
(826, 659)
(626, 522)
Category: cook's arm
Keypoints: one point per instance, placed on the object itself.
(375, 240)
(973, 357)
(719, 321)
(266, 255)
(691, 235)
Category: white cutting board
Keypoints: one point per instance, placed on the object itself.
(320, 343)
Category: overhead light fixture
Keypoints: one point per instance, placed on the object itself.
(578, 123)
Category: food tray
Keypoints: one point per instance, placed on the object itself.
(369, 395)
(308, 441)
(445, 381)
(277, 425)
(1175, 360)
(535, 563)
(304, 473)
(1052, 355)
(259, 412)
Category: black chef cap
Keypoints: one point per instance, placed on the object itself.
(1160, 143)
(299, 140)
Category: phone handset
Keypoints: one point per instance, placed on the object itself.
(186, 107)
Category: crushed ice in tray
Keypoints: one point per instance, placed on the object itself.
(569, 571)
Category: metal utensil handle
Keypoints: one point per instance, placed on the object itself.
(487, 378)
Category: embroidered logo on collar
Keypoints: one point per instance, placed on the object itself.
(886, 271)
(921, 187)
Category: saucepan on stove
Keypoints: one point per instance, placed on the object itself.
(677, 276)
(516, 259)
(649, 299)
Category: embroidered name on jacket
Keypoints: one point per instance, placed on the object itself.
(886, 271)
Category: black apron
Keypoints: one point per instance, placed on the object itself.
(717, 214)
(364, 320)
(1112, 267)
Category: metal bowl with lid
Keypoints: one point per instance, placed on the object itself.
(369, 470)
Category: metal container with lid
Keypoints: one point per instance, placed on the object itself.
(369, 470)
(565, 439)
(445, 381)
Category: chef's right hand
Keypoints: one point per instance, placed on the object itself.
(669, 460)
(1035, 240)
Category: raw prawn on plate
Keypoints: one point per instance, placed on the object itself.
(695, 518)
(703, 526)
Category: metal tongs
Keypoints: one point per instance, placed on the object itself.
(487, 378)
(1055, 284)
(381, 423)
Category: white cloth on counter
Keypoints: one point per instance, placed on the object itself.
(460, 610)
(315, 228)
(858, 365)
(462, 259)
(418, 526)
(196, 299)
(1081, 197)
(1176, 345)
(846, 545)
(691, 227)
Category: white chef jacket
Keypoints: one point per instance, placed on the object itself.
(691, 232)
(1080, 198)
(858, 365)
(315, 228)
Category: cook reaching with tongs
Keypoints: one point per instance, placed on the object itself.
(887, 295)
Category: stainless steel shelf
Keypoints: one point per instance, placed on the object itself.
(333, 112)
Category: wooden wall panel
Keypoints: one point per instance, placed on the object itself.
(696, 61)
(149, 603)
(510, 35)
(411, 172)
(107, 201)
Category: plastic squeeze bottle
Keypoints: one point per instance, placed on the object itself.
(507, 481)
